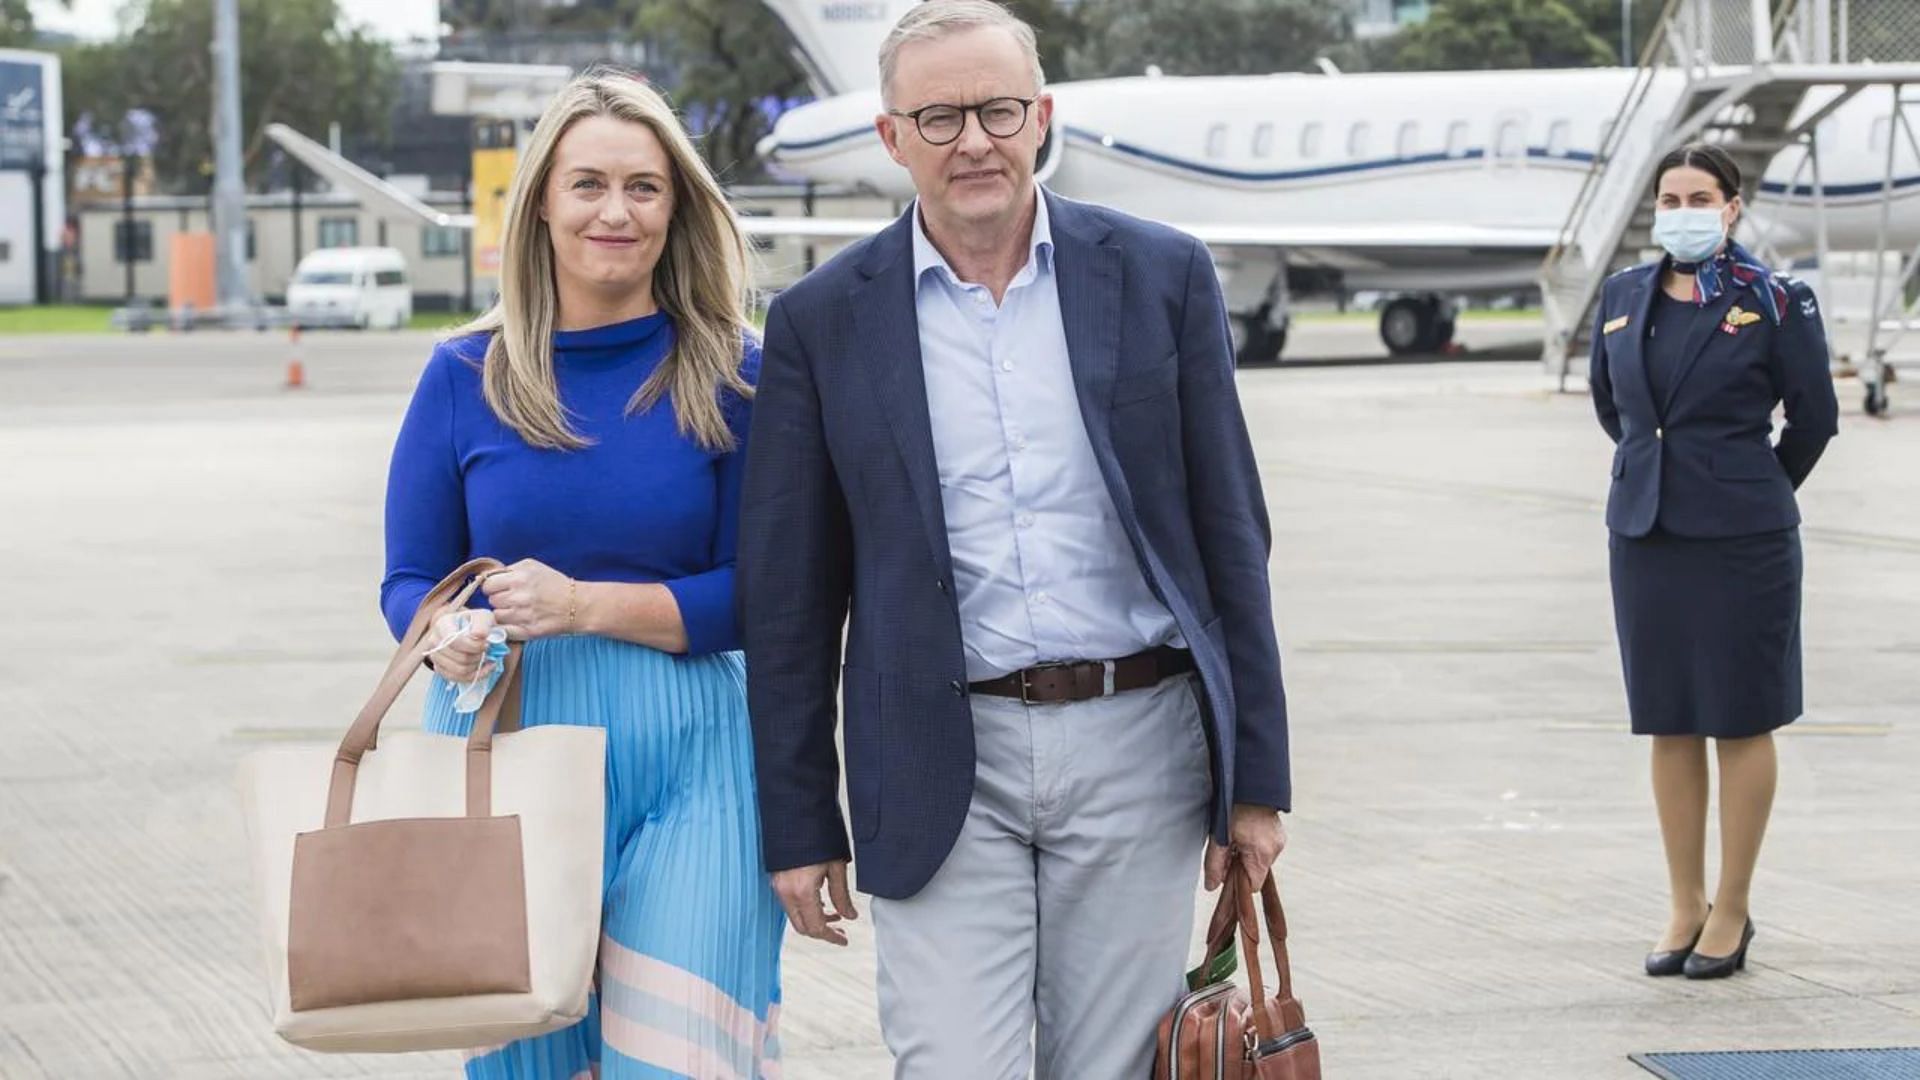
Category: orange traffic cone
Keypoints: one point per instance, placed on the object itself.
(296, 372)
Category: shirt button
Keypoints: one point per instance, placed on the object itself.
(1025, 521)
(1006, 365)
(1019, 442)
(1040, 597)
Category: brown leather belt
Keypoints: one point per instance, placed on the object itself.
(1083, 680)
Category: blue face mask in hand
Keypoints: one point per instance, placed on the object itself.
(1690, 235)
(471, 695)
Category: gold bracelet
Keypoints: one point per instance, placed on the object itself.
(572, 603)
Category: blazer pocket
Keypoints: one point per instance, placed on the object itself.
(861, 728)
(1619, 463)
(1757, 465)
(1148, 382)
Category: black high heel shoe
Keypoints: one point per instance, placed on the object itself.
(1719, 967)
(1673, 961)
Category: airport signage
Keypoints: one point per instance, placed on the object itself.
(845, 11)
(23, 122)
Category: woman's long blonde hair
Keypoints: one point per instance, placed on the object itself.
(700, 281)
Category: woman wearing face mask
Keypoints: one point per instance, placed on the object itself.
(588, 431)
(1691, 354)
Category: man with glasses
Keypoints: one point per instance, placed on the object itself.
(999, 443)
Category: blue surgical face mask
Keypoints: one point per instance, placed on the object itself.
(469, 696)
(1690, 235)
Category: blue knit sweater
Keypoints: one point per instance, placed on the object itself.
(643, 503)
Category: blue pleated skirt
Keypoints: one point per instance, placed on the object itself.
(689, 970)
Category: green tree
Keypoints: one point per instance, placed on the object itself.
(1467, 35)
(734, 71)
(1059, 29)
(298, 66)
(16, 24)
(1205, 37)
(1603, 18)
(501, 16)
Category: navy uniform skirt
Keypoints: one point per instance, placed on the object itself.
(1709, 632)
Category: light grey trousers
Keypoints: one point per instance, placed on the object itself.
(1055, 935)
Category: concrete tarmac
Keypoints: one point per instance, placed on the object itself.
(189, 558)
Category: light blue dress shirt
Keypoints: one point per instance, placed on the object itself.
(1042, 568)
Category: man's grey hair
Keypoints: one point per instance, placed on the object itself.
(935, 19)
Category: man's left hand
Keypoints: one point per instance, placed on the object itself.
(1259, 836)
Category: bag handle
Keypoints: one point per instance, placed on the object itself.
(1220, 958)
(501, 709)
(1250, 933)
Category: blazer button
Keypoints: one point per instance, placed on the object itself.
(941, 585)
(1659, 433)
(958, 689)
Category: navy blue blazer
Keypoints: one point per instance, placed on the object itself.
(842, 525)
(1698, 462)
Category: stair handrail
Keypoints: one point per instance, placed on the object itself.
(1630, 105)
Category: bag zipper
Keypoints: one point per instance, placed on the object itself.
(1220, 1045)
(1180, 1015)
(1282, 1044)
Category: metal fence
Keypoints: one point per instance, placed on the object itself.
(1852, 31)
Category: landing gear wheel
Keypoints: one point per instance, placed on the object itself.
(1413, 324)
(1876, 402)
(1258, 342)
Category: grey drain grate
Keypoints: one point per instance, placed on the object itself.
(1896, 1063)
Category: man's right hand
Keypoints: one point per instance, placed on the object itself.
(799, 892)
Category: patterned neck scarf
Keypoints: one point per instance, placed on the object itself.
(1736, 266)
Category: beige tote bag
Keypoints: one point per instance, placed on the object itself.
(433, 892)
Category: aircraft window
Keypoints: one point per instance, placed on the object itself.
(1511, 142)
(1310, 141)
(1408, 142)
(1882, 128)
(1557, 137)
(1217, 141)
(1357, 140)
(1457, 138)
(1263, 141)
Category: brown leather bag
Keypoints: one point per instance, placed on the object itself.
(1217, 1031)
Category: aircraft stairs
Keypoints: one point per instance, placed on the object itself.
(1736, 73)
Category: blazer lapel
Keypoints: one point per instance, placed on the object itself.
(1087, 278)
(1633, 350)
(1705, 325)
(888, 343)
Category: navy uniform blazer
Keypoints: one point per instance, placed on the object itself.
(1698, 462)
(842, 525)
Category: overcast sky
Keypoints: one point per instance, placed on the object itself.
(396, 20)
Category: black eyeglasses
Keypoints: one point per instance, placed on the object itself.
(1000, 117)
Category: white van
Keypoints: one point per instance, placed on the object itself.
(361, 286)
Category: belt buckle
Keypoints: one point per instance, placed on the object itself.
(1107, 669)
(1026, 687)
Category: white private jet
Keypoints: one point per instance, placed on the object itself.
(1428, 185)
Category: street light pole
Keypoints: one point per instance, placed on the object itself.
(1626, 33)
(229, 191)
(128, 163)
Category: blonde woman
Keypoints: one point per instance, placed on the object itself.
(587, 431)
